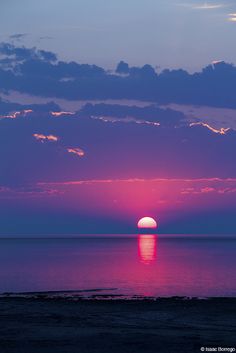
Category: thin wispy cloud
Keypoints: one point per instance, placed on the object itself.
(18, 36)
(204, 6)
(232, 17)
(221, 131)
(216, 62)
(77, 151)
(43, 138)
(140, 180)
(207, 6)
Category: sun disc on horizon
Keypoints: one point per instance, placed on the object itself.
(147, 222)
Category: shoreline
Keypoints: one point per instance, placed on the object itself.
(102, 294)
(163, 325)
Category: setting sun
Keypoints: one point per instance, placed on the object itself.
(147, 222)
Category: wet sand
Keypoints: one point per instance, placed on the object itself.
(48, 325)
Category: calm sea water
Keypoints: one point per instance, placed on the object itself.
(146, 265)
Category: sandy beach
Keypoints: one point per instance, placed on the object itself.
(48, 325)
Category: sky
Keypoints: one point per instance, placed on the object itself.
(164, 33)
(87, 149)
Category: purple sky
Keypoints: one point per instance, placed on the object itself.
(84, 149)
(174, 33)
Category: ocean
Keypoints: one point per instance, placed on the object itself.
(128, 265)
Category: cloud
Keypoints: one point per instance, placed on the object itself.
(194, 191)
(221, 131)
(209, 189)
(216, 62)
(136, 159)
(57, 114)
(207, 6)
(133, 168)
(203, 6)
(118, 150)
(43, 138)
(167, 198)
(45, 38)
(39, 73)
(153, 180)
(227, 191)
(29, 191)
(77, 151)
(17, 114)
(15, 109)
(18, 36)
(232, 17)
(148, 114)
(19, 54)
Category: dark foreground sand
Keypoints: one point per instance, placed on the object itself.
(165, 325)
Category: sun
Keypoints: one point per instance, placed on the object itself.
(147, 222)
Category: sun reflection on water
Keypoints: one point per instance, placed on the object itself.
(147, 244)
